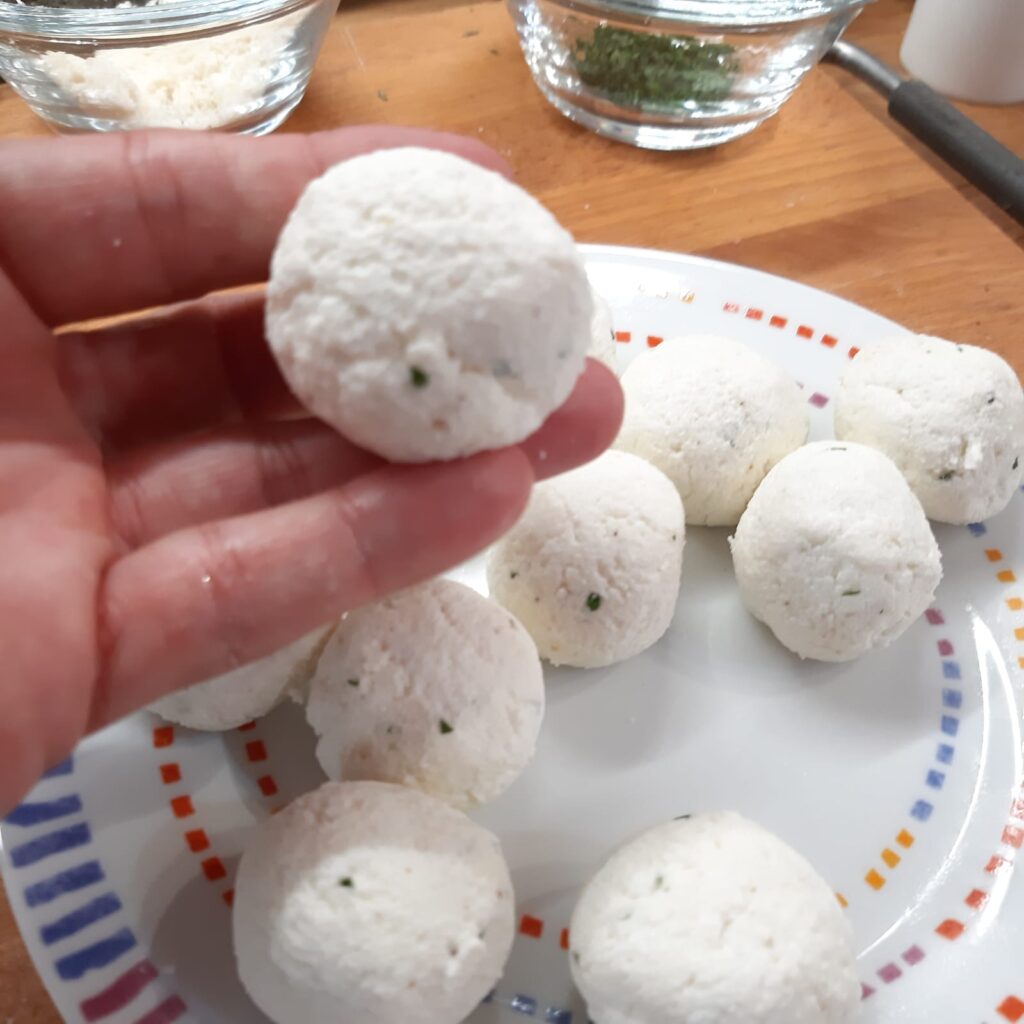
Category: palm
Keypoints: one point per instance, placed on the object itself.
(165, 513)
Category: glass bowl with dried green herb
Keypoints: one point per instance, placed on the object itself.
(675, 74)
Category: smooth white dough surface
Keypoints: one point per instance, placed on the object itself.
(426, 307)
(371, 903)
(834, 553)
(714, 416)
(592, 568)
(950, 416)
(602, 335)
(712, 920)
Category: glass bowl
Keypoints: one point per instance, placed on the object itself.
(233, 65)
(675, 74)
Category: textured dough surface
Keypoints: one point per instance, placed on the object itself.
(435, 687)
(425, 307)
(714, 416)
(834, 553)
(371, 903)
(592, 568)
(950, 416)
(712, 920)
(248, 692)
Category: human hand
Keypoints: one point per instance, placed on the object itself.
(165, 514)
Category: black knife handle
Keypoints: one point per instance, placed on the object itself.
(984, 162)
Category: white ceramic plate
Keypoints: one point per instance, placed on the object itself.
(900, 775)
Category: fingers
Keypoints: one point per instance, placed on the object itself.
(99, 225)
(582, 428)
(165, 487)
(230, 472)
(201, 601)
(183, 370)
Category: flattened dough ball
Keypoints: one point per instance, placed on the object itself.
(834, 553)
(950, 416)
(712, 919)
(592, 568)
(251, 691)
(371, 903)
(435, 687)
(425, 307)
(714, 416)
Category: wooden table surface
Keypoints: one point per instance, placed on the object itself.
(830, 192)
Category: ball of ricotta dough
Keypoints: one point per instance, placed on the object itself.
(712, 919)
(592, 568)
(834, 553)
(714, 416)
(602, 335)
(425, 307)
(371, 903)
(950, 416)
(435, 687)
(248, 692)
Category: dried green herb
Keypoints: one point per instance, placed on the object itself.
(513, 574)
(419, 378)
(593, 602)
(353, 682)
(445, 727)
(1016, 462)
(948, 475)
(850, 593)
(345, 883)
(633, 68)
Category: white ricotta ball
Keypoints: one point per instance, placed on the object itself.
(714, 416)
(435, 687)
(592, 568)
(425, 307)
(950, 416)
(247, 692)
(834, 553)
(712, 919)
(371, 903)
(602, 335)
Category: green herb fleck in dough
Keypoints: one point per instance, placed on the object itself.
(948, 475)
(575, 957)
(659, 883)
(991, 399)
(683, 817)
(353, 682)
(345, 883)
(634, 68)
(513, 574)
(1016, 462)
(419, 378)
(850, 593)
(593, 601)
(382, 96)
(445, 727)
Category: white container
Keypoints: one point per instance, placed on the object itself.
(970, 49)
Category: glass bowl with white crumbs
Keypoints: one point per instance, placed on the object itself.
(116, 65)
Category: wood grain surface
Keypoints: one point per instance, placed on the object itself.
(829, 192)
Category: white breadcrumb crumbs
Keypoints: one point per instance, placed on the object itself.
(193, 84)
